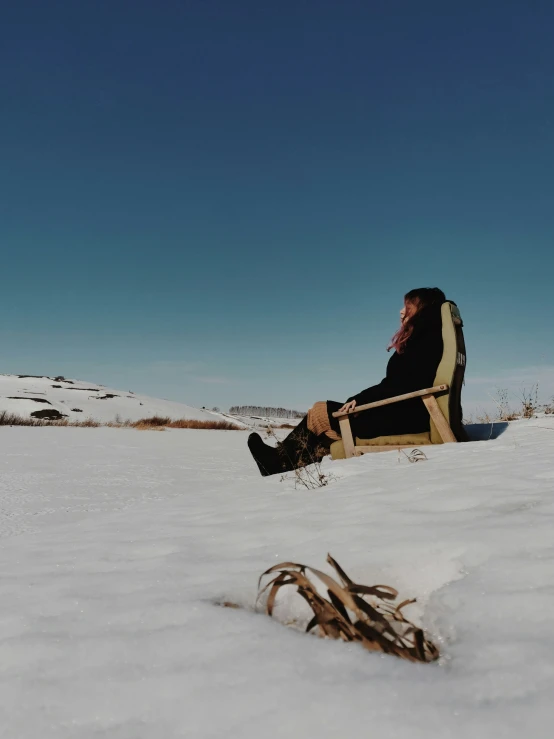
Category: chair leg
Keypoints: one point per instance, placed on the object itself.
(347, 438)
(438, 418)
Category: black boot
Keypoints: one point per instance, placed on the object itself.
(266, 457)
(302, 447)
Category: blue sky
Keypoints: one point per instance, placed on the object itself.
(224, 202)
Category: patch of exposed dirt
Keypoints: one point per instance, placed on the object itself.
(106, 397)
(37, 400)
(77, 410)
(49, 414)
(88, 389)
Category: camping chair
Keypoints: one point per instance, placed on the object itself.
(443, 401)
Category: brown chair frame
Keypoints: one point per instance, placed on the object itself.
(428, 397)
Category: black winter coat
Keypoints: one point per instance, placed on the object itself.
(414, 369)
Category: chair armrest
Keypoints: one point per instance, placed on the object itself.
(396, 399)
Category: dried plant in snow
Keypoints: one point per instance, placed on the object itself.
(152, 423)
(416, 455)
(351, 612)
(529, 401)
(308, 472)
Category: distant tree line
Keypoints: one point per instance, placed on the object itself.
(262, 410)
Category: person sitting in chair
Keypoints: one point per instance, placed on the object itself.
(418, 351)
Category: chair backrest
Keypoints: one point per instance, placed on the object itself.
(451, 372)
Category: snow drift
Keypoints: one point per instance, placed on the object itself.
(116, 548)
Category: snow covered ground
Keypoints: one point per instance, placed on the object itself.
(81, 400)
(116, 546)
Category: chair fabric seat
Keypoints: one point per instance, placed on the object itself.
(337, 447)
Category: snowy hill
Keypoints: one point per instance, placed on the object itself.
(77, 400)
(117, 546)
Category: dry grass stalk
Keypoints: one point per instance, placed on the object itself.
(152, 421)
(14, 419)
(307, 472)
(155, 423)
(88, 423)
(346, 614)
(416, 455)
(530, 401)
(309, 475)
(185, 423)
(529, 405)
